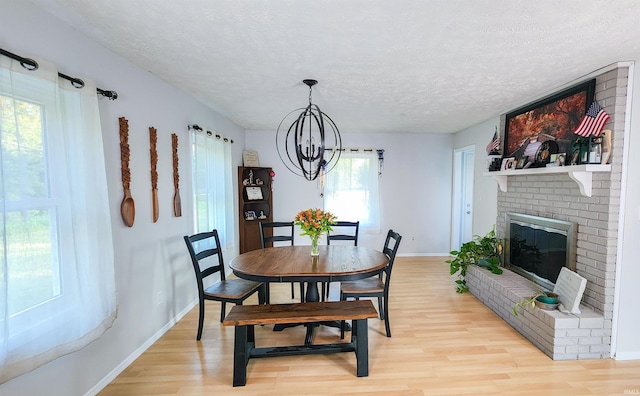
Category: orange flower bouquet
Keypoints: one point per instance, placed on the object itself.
(315, 222)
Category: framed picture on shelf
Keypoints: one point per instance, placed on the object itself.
(508, 164)
(254, 193)
(250, 158)
(522, 162)
(552, 118)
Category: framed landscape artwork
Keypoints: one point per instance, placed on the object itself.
(553, 118)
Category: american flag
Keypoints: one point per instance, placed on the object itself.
(592, 122)
(493, 144)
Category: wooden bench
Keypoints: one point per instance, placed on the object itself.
(245, 317)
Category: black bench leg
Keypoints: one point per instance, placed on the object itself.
(243, 343)
(360, 336)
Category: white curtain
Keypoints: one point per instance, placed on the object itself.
(57, 285)
(212, 185)
(351, 189)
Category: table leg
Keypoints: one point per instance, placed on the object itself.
(312, 292)
(312, 295)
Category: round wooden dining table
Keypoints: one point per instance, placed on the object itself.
(295, 264)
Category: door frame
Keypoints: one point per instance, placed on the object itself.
(461, 172)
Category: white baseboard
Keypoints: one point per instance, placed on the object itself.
(136, 354)
(634, 355)
(423, 254)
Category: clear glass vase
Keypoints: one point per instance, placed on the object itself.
(314, 245)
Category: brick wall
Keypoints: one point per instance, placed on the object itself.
(558, 197)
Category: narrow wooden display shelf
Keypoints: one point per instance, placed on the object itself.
(581, 174)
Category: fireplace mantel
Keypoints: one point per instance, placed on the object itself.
(581, 174)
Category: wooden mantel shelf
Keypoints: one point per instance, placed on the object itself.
(581, 174)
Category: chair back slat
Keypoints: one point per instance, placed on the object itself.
(200, 247)
(341, 235)
(284, 230)
(390, 251)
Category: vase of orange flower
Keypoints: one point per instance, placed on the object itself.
(314, 222)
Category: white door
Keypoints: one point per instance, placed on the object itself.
(462, 219)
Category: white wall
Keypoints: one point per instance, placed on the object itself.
(485, 189)
(415, 187)
(149, 257)
(627, 342)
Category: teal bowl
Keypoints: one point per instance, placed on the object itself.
(547, 299)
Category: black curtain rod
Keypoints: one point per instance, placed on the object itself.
(209, 133)
(31, 64)
(354, 149)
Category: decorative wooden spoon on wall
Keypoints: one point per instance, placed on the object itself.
(177, 205)
(153, 140)
(128, 207)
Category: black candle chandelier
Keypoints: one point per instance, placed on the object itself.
(302, 145)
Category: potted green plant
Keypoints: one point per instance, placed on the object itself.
(546, 299)
(482, 251)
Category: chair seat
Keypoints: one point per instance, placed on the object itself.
(231, 289)
(363, 286)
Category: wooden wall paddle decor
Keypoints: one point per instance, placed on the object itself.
(127, 208)
(153, 151)
(177, 205)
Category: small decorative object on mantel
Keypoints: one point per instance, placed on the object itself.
(606, 146)
(128, 207)
(177, 204)
(494, 158)
(509, 164)
(153, 141)
(494, 145)
(543, 153)
(494, 162)
(314, 223)
(592, 122)
(590, 128)
(522, 162)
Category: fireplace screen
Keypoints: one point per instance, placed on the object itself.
(537, 247)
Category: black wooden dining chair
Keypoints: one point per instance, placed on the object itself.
(278, 231)
(201, 248)
(342, 231)
(376, 286)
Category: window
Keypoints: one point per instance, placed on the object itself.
(212, 185)
(57, 287)
(30, 210)
(351, 190)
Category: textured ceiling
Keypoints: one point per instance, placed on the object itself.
(382, 65)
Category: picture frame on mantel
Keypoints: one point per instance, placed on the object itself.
(552, 118)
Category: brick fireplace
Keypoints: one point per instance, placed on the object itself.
(556, 196)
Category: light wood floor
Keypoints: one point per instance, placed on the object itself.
(443, 344)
